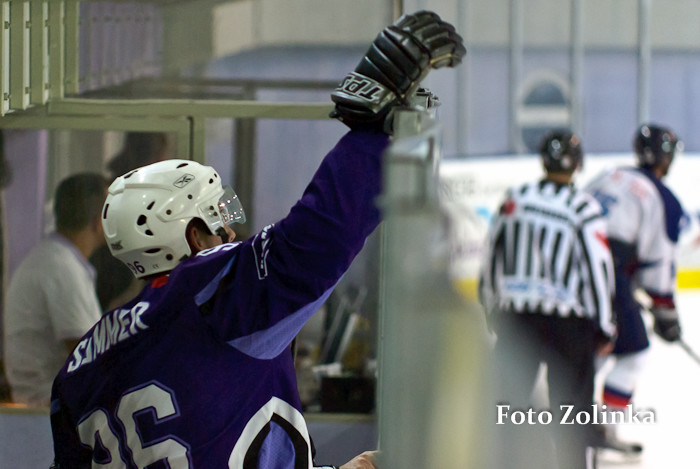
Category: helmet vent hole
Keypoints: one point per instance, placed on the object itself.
(150, 206)
(104, 212)
(211, 181)
(149, 232)
(189, 196)
(153, 251)
(168, 212)
(141, 220)
(128, 175)
(169, 257)
(181, 165)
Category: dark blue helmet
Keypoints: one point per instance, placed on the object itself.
(654, 145)
(561, 152)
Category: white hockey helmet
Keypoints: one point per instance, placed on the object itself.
(147, 211)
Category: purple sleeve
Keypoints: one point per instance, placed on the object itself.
(278, 278)
(68, 451)
(326, 229)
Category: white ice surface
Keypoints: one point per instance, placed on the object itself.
(670, 386)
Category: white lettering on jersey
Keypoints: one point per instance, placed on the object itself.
(220, 247)
(113, 328)
(98, 428)
(261, 248)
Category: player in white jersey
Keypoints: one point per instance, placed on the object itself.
(547, 284)
(644, 219)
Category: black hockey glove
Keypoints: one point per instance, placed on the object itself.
(393, 67)
(666, 323)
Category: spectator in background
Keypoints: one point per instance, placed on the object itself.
(115, 283)
(51, 300)
(140, 149)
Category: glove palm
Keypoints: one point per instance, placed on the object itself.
(666, 323)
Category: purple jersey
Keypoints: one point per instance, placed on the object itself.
(197, 372)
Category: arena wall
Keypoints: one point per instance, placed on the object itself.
(471, 189)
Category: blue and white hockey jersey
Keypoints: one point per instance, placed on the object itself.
(644, 221)
(197, 372)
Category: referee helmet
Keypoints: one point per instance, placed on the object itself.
(561, 152)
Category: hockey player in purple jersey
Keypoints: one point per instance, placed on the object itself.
(196, 371)
(644, 220)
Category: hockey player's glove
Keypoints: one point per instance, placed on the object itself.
(393, 67)
(666, 323)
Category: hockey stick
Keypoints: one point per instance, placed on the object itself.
(689, 351)
(644, 301)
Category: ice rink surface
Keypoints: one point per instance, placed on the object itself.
(670, 386)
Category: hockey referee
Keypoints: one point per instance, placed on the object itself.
(546, 285)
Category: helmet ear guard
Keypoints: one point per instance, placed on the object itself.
(147, 212)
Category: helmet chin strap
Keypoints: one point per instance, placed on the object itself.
(225, 237)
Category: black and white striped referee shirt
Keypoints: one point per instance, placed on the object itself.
(548, 254)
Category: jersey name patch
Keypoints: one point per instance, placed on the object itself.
(113, 328)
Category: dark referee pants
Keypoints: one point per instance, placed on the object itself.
(567, 346)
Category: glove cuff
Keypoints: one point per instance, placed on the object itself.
(355, 88)
(664, 313)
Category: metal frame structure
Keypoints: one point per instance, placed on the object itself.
(430, 359)
(40, 56)
(107, 109)
(53, 75)
(51, 79)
